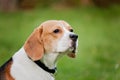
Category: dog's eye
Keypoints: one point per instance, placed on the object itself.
(71, 30)
(56, 31)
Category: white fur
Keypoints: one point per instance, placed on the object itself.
(50, 59)
(25, 69)
(64, 43)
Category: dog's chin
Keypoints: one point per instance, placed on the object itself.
(72, 52)
(72, 55)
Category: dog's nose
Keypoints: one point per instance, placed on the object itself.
(73, 37)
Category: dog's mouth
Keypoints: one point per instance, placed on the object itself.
(73, 50)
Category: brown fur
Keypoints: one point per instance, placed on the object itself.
(7, 72)
(34, 45)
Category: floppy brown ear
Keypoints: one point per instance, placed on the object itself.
(34, 45)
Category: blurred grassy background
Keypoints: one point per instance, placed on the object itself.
(98, 56)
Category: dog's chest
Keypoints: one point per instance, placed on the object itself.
(25, 69)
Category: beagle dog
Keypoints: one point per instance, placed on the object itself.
(37, 58)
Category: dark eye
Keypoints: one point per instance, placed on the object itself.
(71, 30)
(56, 31)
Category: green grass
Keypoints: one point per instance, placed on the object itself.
(98, 56)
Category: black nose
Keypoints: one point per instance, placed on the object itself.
(73, 37)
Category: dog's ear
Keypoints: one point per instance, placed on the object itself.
(34, 45)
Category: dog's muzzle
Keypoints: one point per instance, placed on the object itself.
(74, 38)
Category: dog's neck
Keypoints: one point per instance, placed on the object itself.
(50, 59)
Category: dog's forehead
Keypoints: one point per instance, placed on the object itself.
(53, 23)
(64, 23)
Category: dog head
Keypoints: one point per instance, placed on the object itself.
(52, 36)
